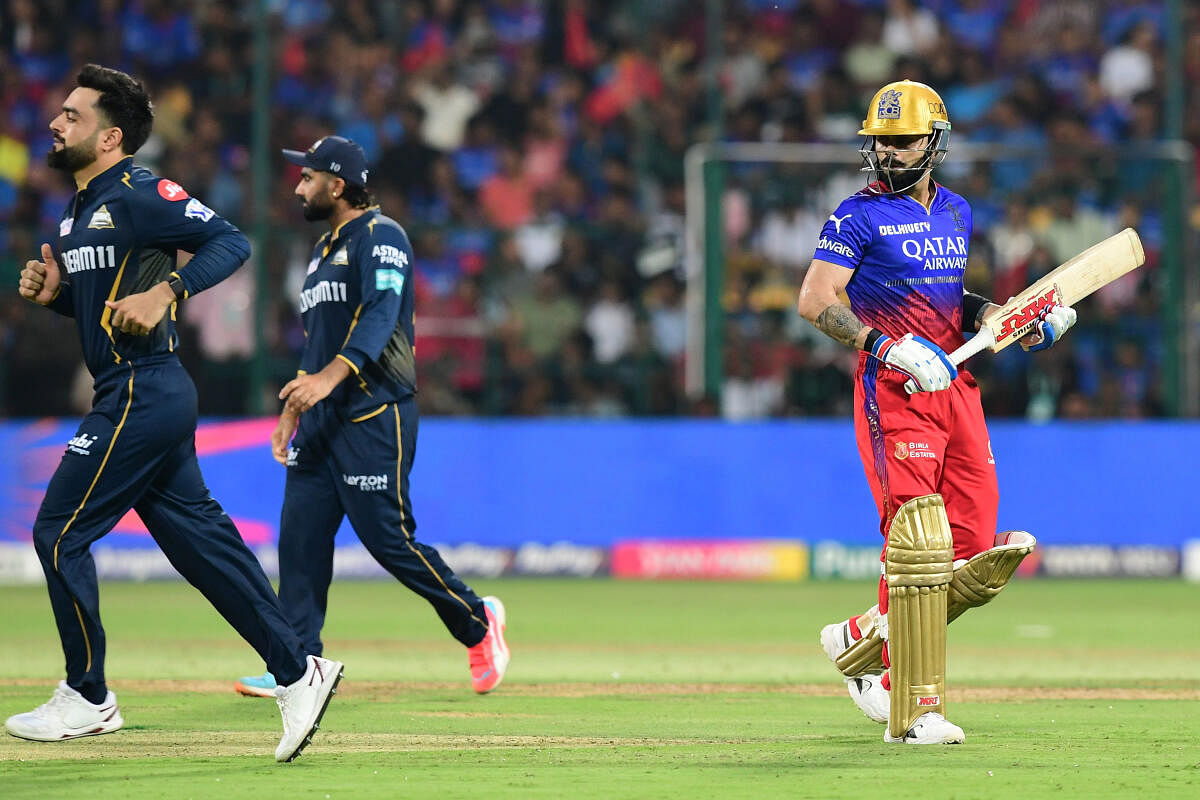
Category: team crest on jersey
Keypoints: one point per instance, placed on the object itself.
(889, 105)
(64, 227)
(340, 259)
(960, 224)
(312, 266)
(101, 218)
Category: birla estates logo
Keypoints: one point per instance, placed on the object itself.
(1018, 321)
(911, 449)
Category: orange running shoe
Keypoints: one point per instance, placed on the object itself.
(489, 658)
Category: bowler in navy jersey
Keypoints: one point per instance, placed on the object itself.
(113, 270)
(352, 412)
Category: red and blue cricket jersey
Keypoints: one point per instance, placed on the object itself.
(908, 267)
(908, 262)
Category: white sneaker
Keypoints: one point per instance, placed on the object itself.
(66, 716)
(836, 639)
(303, 703)
(930, 728)
(872, 699)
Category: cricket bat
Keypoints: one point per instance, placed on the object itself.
(1097, 266)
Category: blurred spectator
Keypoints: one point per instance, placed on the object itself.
(506, 197)
(908, 29)
(1128, 69)
(447, 105)
(609, 323)
(535, 151)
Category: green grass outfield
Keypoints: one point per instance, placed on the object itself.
(1066, 689)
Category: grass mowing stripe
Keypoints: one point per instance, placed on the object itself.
(1066, 689)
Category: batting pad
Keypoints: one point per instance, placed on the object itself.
(974, 584)
(919, 564)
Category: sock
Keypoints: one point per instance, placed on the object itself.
(886, 681)
(93, 693)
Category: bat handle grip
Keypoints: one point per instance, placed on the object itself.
(976, 344)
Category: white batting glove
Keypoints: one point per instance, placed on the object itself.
(1053, 323)
(923, 361)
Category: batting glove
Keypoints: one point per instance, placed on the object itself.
(918, 358)
(1052, 323)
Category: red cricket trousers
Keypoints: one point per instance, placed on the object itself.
(926, 443)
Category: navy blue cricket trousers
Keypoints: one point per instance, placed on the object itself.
(136, 449)
(360, 468)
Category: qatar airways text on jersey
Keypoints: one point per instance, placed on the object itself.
(908, 261)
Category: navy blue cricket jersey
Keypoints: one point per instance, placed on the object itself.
(119, 236)
(357, 305)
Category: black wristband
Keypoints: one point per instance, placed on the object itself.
(873, 336)
(176, 284)
(972, 304)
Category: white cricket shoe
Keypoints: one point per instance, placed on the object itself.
(66, 716)
(836, 639)
(930, 728)
(303, 703)
(872, 699)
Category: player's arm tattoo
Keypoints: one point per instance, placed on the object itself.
(838, 321)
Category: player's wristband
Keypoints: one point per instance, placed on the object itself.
(972, 304)
(176, 284)
(877, 343)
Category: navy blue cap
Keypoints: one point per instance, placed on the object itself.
(336, 155)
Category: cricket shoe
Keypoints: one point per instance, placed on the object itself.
(256, 685)
(930, 728)
(489, 658)
(837, 637)
(67, 715)
(871, 697)
(303, 703)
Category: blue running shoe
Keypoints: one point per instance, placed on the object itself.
(256, 685)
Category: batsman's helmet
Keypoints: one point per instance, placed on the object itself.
(905, 108)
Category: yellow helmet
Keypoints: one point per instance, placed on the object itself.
(905, 108)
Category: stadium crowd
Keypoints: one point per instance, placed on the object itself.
(534, 150)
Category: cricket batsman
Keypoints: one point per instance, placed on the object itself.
(897, 250)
